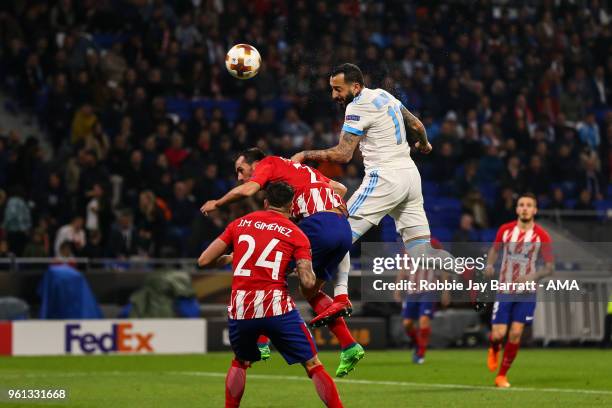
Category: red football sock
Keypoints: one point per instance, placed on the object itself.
(423, 340)
(510, 351)
(412, 333)
(263, 340)
(234, 384)
(319, 303)
(325, 386)
(495, 345)
(341, 298)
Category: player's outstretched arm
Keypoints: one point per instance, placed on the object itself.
(237, 193)
(213, 256)
(306, 276)
(341, 153)
(416, 131)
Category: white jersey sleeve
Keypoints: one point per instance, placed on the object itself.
(357, 119)
(375, 116)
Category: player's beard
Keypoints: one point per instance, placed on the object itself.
(526, 219)
(346, 100)
(349, 98)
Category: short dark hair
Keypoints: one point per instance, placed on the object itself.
(528, 195)
(351, 72)
(251, 155)
(279, 194)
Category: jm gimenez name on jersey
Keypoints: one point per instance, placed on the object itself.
(260, 225)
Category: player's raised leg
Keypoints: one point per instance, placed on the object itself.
(263, 343)
(330, 237)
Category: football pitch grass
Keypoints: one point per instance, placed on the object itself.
(449, 378)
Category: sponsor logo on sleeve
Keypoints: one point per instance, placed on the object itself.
(354, 118)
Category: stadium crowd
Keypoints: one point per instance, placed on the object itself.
(144, 122)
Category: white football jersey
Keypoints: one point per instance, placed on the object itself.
(375, 116)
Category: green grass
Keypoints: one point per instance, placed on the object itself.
(449, 378)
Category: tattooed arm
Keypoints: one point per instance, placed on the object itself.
(342, 153)
(306, 276)
(415, 130)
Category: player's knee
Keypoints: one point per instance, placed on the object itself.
(410, 233)
(408, 324)
(312, 363)
(515, 335)
(498, 334)
(236, 362)
(424, 322)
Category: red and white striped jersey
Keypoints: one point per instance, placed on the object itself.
(264, 243)
(521, 250)
(313, 192)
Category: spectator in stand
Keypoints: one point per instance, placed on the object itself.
(94, 248)
(36, 247)
(589, 132)
(505, 207)
(474, 204)
(572, 106)
(152, 218)
(83, 124)
(17, 221)
(176, 153)
(585, 201)
(184, 209)
(466, 231)
(558, 200)
(122, 243)
(73, 234)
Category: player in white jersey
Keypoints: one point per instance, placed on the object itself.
(381, 126)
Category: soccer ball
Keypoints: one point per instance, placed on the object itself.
(243, 61)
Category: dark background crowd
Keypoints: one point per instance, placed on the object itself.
(142, 122)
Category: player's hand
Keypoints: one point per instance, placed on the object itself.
(423, 148)
(489, 271)
(209, 206)
(298, 157)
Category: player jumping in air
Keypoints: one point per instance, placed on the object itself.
(264, 242)
(318, 203)
(522, 242)
(379, 124)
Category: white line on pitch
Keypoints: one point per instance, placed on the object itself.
(399, 383)
(305, 378)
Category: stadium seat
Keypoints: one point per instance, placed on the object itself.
(570, 203)
(489, 192)
(387, 230)
(442, 234)
(487, 235)
(431, 188)
(604, 208)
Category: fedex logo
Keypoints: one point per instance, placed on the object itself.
(120, 339)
